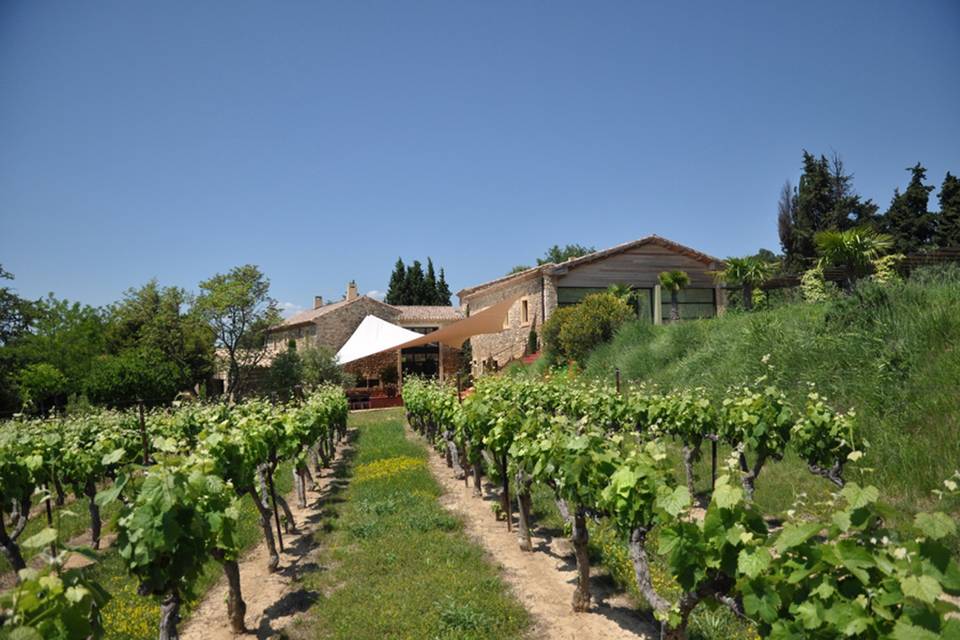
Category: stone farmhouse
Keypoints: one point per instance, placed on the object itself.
(546, 287)
(331, 325)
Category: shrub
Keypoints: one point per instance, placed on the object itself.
(40, 383)
(592, 323)
(320, 366)
(550, 333)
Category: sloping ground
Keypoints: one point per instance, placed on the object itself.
(891, 352)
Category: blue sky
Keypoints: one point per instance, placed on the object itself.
(323, 140)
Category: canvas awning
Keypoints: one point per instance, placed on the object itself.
(374, 335)
(489, 320)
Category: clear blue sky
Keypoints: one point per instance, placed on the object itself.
(323, 140)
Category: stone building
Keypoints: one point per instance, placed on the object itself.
(331, 325)
(546, 287)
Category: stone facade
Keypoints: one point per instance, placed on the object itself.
(526, 314)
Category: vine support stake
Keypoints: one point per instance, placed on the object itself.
(618, 380)
(713, 463)
(459, 390)
(143, 434)
(53, 545)
(273, 499)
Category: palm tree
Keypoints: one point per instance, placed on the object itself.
(749, 273)
(674, 282)
(623, 292)
(852, 250)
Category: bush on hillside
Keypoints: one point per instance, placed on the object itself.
(550, 333)
(592, 322)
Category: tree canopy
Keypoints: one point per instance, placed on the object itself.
(410, 285)
(557, 254)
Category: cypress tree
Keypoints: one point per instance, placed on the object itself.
(948, 222)
(430, 284)
(415, 285)
(443, 290)
(395, 292)
(907, 219)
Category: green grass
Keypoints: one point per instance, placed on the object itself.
(890, 352)
(399, 564)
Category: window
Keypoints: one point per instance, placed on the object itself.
(524, 312)
(692, 304)
(642, 299)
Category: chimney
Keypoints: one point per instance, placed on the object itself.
(351, 290)
(317, 302)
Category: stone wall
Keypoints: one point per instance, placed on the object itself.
(372, 366)
(510, 343)
(334, 328)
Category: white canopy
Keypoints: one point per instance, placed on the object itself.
(373, 336)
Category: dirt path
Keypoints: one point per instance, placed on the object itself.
(272, 601)
(543, 580)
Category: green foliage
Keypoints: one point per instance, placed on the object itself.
(593, 322)
(518, 268)
(550, 333)
(286, 373)
(748, 273)
(557, 254)
(40, 384)
(320, 367)
(813, 287)
(411, 286)
(853, 250)
(825, 200)
(948, 222)
(238, 307)
(885, 268)
(887, 350)
(133, 375)
(16, 313)
(52, 605)
(908, 222)
(178, 517)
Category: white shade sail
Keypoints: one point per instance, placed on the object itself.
(373, 336)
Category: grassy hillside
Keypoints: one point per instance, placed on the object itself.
(891, 352)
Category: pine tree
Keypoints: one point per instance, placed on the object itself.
(443, 290)
(907, 219)
(430, 284)
(395, 291)
(948, 222)
(814, 204)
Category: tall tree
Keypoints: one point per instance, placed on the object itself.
(558, 254)
(158, 319)
(824, 200)
(907, 220)
(948, 222)
(443, 290)
(395, 290)
(430, 284)
(416, 285)
(238, 307)
(16, 313)
(787, 223)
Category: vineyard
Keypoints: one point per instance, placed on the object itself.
(839, 571)
(175, 482)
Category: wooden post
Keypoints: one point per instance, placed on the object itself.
(143, 435)
(618, 380)
(53, 545)
(713, 464)
(459, 390)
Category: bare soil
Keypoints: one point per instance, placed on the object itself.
(543, 580)
(273, 599)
